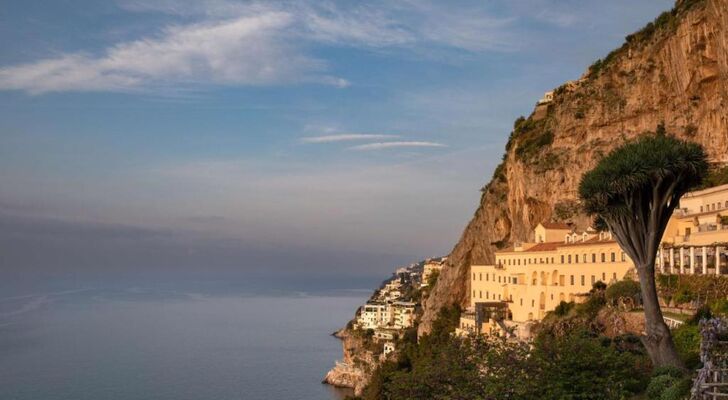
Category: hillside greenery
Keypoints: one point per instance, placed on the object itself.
(570, 358)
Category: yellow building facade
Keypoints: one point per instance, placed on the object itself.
(696, 238)
(562, 264)
(533, 278)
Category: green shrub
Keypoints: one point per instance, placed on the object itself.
(623, 289)
(563, 308)
(565, 209)
(719, 307)
(658, 385)
(678, 390)
(591, 307)
(687, 343)
(669, 370)
(532, 145)
(683, 297)
(716, 176)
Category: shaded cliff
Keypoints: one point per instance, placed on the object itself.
(672, 72)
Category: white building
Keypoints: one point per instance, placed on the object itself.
(373, 315)
(388, 348)
(432, 265)
(403, 314)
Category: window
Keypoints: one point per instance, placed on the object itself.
(623, 257)
(585, 258)
(614, 257)
(604, 257)
(521, 301)
(594, 279)
(569, 258)
(487, 277)
(499, 297)
(614, 276)
(701, 208)
(473, 275)
(499, 278)
(480, 276)
(583, 282)
(604, 276)
(562, 258)
(480, 292)
(572, 280)
(552, 296)
(473, 293)
(533, 303)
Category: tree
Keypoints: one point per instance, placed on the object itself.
(635, 190)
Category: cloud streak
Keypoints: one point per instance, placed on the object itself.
(248, 50)
(392, 145)
(344, 137)
(244, 44)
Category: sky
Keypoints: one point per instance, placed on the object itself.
(283, 141)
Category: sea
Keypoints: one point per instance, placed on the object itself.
(170, 342)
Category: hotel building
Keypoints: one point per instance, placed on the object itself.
(696, 238)
(531, 279)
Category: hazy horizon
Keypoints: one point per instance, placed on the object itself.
(277, 144)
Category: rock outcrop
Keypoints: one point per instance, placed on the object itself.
(674, 72)
(355, 369)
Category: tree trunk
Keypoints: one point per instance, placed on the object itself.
(658, 340)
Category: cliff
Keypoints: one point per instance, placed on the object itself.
(672, 72)
(356, 367)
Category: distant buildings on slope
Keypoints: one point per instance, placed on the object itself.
(563, 263)
(432, 265)
(391, 309)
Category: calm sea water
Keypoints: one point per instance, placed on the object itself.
(139, 343)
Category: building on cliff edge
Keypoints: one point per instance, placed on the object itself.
(563, 263)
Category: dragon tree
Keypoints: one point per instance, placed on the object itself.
(635, 190)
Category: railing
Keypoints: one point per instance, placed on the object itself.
(711, 382)
(672, 322)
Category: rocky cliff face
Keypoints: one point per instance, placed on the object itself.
(356, 367)
(673, 72)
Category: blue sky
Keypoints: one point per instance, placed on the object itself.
(283, 128)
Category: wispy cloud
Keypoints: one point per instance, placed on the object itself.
(243, 51)
(345, 137)
(390, 145)
(256, 43)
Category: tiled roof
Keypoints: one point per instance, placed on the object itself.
(551, 246)
(546, 246)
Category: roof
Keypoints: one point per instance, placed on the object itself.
(555, 225)
(545, 246)
(551, 246)
(705, 191)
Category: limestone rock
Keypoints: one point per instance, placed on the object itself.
(678, 75)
